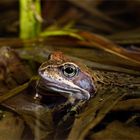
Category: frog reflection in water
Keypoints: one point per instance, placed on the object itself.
(73, 81)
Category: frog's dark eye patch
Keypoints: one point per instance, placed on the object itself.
(69, 70)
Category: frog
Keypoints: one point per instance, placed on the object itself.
(75, 81)
(66, 77)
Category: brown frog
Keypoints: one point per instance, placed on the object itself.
(75, 81)
(70, 79)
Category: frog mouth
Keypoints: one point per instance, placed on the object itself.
(64, 89)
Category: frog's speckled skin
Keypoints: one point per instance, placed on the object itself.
(84, 84)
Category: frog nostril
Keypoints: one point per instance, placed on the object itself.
(48, 67)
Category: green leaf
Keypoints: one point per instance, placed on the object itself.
(62, 32)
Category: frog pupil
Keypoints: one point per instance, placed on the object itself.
(69, 70)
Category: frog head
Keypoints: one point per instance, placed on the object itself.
(70, 79)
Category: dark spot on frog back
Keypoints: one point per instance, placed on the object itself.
(85, 81)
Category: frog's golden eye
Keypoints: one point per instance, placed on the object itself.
(69, 70)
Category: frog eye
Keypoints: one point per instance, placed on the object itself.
(69, 70)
